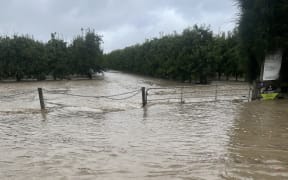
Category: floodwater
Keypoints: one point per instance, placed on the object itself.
(86, 135)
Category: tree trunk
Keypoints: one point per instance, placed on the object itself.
(203, 79)
(227, 77)
(18, 77)
(219, 76)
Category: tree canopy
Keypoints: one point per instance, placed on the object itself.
(23, 57)
(263, 28)
(194, 55)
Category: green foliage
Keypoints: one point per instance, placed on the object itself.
(23, 57)
(263, 28)
(86, 54)
(194, 55)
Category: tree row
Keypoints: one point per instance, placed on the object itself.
(23, 57)
(194, 55)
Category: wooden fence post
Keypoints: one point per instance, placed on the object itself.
(182, 101)
(216, 92)
(144, 96)
(249, 93)
(255, 91)
(41, 99)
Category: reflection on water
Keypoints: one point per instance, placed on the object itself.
(88, 138)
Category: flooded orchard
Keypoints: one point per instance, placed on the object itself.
(89, 134)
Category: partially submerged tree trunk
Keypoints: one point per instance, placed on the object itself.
(18, 76)
(219, 76)
(203, 79)
(89, 75)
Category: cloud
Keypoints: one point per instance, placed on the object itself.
(168, 19)
(121, 22)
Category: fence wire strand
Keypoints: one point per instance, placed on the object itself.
(17, 94)
(111, 97)
(217, 92)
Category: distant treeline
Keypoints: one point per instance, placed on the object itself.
(194, 55)
(197, 54)
(23, 57)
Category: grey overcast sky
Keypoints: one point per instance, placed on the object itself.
(121, 22)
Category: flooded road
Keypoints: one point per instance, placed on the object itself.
(87, 135)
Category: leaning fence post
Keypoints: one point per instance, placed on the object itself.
(41, 99)
(144, 98)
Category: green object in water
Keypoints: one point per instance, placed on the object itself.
(269, 96)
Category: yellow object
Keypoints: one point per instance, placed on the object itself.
(269, 96)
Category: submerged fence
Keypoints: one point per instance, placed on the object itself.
(181, 94)
(198, 93)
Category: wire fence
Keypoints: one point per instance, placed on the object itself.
(201, 93)
(12, 95)
(111, 97)
(182, 94)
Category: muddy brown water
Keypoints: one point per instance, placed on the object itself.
(99, 138)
